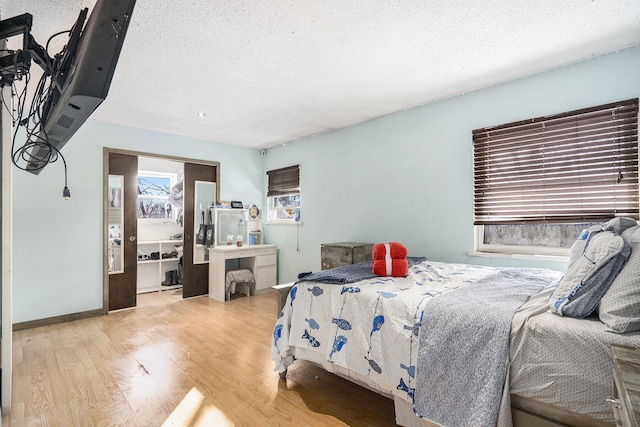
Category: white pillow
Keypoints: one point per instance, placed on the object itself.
(596, 259)
(620, 307)
(619, 224)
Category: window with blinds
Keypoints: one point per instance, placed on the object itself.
(283, 194)
(571, 168)
(283, 181)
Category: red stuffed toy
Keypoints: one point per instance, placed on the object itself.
(389, 259)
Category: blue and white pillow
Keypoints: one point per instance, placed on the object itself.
(596, 259)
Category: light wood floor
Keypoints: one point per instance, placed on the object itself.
(174, 362)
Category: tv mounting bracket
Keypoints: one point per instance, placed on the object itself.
(16, 64)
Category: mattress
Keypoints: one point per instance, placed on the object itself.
(368, 331)
(564, 361)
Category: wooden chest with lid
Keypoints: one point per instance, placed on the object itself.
(344, 253)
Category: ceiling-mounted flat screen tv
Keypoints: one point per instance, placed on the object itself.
(82, 76)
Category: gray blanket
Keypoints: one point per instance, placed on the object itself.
(464, 345)
(348, 273)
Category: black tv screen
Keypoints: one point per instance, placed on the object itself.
(84, 75)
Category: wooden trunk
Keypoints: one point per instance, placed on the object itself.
(344, 253)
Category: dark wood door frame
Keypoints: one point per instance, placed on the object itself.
(105, 239)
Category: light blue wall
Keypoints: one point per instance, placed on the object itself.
(408, 177)
(57, 248)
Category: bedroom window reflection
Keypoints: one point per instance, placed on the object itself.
(539, 182)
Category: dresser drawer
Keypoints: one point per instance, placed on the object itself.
(266, 251)
(265, 260)
(265, 282)
(264, 271)
(265, 277)
(239, 254)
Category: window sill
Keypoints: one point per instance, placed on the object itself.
(552, 258)
(157, 220)
(284, 223)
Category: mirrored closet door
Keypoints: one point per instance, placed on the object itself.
(123, 227)
(199, 192)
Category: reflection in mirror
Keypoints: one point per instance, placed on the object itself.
(115, 252)
(205, 197)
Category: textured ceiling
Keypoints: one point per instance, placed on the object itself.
(269, 72)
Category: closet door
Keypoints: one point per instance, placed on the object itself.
(196, 274)
(122, 279)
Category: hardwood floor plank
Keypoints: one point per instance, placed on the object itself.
(175, 362)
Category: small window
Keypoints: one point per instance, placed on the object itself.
(283, 195)
(284, 208)
(539, 182)
(153, 195)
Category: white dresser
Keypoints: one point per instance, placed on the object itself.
(260, 259)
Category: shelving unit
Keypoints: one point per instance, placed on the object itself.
(255, 231)
(151, 273)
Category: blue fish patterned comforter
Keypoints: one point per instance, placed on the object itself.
(369, 329)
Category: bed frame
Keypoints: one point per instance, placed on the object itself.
(533, 413)
(525, 412)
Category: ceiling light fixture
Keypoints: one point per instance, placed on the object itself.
(201, 114)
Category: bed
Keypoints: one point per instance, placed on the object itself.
(554, 370)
